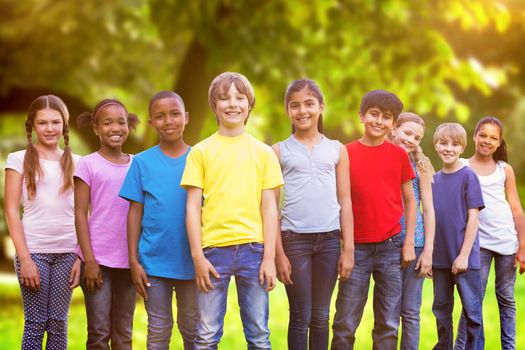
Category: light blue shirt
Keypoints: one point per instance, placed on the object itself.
(153, 180)
(310, 190)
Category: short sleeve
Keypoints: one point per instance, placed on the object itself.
(83, 171)
(15, 161)
(273, 177)
(132, 186)
(474, 195)
(407, 173)
(194, 171)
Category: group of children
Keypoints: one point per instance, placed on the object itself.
(184, 220)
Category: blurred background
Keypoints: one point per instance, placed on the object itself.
(448, 60)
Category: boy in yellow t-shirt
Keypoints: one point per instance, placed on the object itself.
(232, 233)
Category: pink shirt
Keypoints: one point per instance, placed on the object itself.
(108, 212)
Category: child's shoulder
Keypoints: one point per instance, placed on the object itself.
(17, 154)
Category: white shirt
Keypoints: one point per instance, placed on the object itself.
(48, 219)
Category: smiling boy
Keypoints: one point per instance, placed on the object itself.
(233, 231)
(381, 177)
(457, 201)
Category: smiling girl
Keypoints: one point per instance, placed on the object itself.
(41, 177)
(100, 219)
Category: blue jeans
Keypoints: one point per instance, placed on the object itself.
(469, 288)
(242, 261)
(110, 310)
(505, 280)
(411, 305)
(160, 313)
(313, 257)
(382, 261)
(46, 309)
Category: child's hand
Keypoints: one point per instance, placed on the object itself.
(520, 260)
(140, 279)
(408, 254)
(29, 275)
(284, 269)
(345, 265)
(460, 265)
(267, 274)
(424, 264)
(74, 277)
(203, 269)
(92, 276)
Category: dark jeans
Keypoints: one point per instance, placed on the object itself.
(383, 262)
(505, 280)
(411, 305)
(110, 310)
(313, 257)
(469, 287)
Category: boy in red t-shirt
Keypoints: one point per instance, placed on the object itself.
(381, 177)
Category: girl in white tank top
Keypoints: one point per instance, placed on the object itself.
(501, 226)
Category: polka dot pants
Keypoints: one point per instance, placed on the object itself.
(46, 310)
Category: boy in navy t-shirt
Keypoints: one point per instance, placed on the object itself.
(457, 201)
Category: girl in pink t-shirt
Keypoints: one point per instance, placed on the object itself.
(109, 293)
(41, 178)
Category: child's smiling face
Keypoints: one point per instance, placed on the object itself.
(232, 108)
(111, 126)
(304, 109)
(169, 118)
(408, 135)
(377, 124)
(449, 151)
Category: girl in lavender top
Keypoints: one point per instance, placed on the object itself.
(100, 219)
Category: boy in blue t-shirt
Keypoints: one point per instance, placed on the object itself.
(159, 251)
(457, 201)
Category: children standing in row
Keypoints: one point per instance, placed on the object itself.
(407, 134)
(159, 251)
(41, 177)
(232, 216)
(100, 220)
(501, 227)
(317, 213)
(457, 202)
(381, 185)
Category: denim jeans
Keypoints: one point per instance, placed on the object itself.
(469, 287)
(411, 305)
(109, 310)
(242, 261)
(160, 313)
(313, 257)
(505, 280)
(382, 261)
(46, 309)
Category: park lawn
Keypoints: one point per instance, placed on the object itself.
(11, 320)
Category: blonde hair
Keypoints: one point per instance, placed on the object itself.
(32, 166)
(422, 162)
(450, 131)
(222, 83)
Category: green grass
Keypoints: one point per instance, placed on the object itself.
(11, 320)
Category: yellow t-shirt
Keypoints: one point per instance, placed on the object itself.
(232, 173)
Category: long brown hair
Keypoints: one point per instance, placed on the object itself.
(32, 166)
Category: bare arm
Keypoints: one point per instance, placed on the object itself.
(267, 272)
(92, 274)
(429, 222)
(203, 268)
(461, 262)
(29, 274)
(409, 202)
(282, 264)
(134, 227)
(346, 216)
(517, 214)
